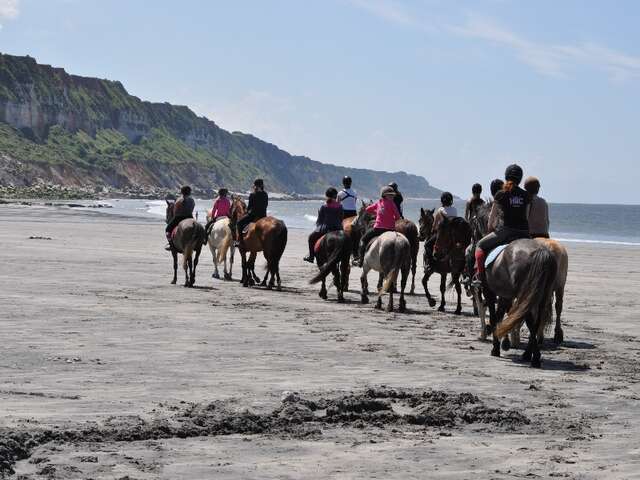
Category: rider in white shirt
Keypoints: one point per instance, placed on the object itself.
(348, 198)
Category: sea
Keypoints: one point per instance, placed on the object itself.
(570, 222)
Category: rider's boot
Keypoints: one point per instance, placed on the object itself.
(169, 245)
(479, 278)
(309, 258)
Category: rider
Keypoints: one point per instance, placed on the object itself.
(538, 211)
(398, 197)
(514, 203)
(446, 209)
(348, 198)
(221, 208)
(386, 213)
(182, 209)
(257, 208)
(494, 213)
(329, 220)
(474, 202)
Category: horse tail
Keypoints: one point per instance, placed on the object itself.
(534, 292)
(332, 261)
(279, 244)
(394, 257)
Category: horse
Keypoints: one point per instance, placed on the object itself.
(220, 241)
(188, 238)
(479, 225)
(267, 235)
(452, 262)
(452, 238)
(410, 230)
(388, 254)
(333, 257)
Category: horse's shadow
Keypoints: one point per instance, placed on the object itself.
(203, 287)
(551, 364)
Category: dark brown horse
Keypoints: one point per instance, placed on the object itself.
(333, 257)
(189, 238)
(267, 235)
(454, 235)
(410, 230)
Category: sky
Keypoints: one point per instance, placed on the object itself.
(451, 90)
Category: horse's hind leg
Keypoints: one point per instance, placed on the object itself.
(558, 338)
(443, 289)
(425, 284)
(175, 267)
(323, 290)
(214, 254)
(485, 329)
(532, 346)
(195, 265)
(364, 290)
(402, 307)
(491, 303)
(456, 279)
(414, 264)
(188, 266)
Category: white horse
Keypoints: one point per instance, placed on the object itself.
(220, 241)
(389, 254)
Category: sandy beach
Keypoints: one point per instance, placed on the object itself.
(108, 371)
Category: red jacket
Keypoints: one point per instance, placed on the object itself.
(386, 213)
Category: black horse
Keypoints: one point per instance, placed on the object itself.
(333, 257)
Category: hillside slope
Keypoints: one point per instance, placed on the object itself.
(79, 131)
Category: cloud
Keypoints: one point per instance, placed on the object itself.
(9, 9)
(388, 10)
(549, 59)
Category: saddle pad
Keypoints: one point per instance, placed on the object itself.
(316, 247)
(495, 253)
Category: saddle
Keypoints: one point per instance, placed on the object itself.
(494, 254)
(316, 247)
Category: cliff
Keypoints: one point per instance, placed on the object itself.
(78, 131)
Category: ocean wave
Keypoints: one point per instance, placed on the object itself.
(601, 242)
(311, 218)
(157, 208)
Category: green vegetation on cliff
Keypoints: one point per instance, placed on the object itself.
(74, 130)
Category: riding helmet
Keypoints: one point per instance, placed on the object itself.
(259, 183)
(476, 189)
(346, 181)
(394, 185)
(331, 193)
(446, 198)
(222, 192)
(186, 190)
(388, 190)
(513, 173)
(532, 185)
(496, 186)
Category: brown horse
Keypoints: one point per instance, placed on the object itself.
(189, 238)
(333, 257)
(267, 235)
(454, 236)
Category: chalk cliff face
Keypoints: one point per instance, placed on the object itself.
(82, 131)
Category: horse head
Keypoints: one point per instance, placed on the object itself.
(425, 224)
(453, 235)
(169, 211)
(238, 210)
(364, 218)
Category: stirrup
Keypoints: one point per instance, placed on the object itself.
(309, 259)
(476, 281)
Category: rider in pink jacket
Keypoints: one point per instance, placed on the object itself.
(386, 214)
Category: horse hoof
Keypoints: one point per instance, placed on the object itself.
(558, 338)
(340, 299)
(378, 307)
(441, 308)
(488, 330)
(402, 308)
(215, 275)
(323, 295)
(364, 300)
(536, 363)
(495, 352)
(526, 357)
(432, 302)
(458, 311)
(506, 344)
(173, 282)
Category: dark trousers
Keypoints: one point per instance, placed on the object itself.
(313, 238)
(245, 221)
(500, 237)
(175, 221)
(368, 237)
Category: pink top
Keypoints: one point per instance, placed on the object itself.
(221, 207)
(386, 213)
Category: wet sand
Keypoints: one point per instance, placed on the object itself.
(108, 371)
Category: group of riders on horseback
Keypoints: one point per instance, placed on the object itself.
(378, 237)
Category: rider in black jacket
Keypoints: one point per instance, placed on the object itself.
(257, 208)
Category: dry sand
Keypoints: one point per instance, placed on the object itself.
(108, 371)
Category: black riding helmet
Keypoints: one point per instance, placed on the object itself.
(331, 193)
(496, 186)
(513, 173)
(186, 190)
(446, 198)
(346, 181)
(394, 185)
(476, 189)
(222, 192)
(259, 183)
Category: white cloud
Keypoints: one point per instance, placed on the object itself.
(389, 10)
(550, 59)
(9, 9)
